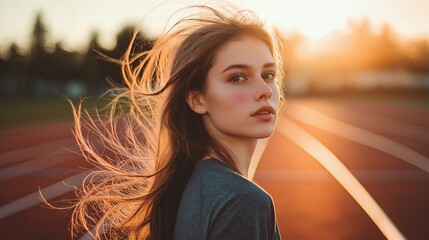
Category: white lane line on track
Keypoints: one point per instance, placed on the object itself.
(316, 119)
(256, 157)
(21, 154)
(49, 192)
(385, 124)
(329, 161)
(37, 164)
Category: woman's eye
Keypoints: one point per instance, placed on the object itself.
(238, 78)
(269, 76)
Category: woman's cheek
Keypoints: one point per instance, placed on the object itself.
(239, 98)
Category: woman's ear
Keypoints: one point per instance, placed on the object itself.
(195, 101)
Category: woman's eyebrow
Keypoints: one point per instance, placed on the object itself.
(245, 66)
(268, 65)
(240, 66)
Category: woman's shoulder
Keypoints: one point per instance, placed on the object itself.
(218, 200)
(214, 178)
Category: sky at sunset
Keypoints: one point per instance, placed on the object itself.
(72, 21)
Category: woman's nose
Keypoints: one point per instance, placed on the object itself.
(264, 90)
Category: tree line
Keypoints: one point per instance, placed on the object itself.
(44, 69)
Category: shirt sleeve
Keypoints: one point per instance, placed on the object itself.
(246, 216)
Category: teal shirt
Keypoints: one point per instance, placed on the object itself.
(220, 204)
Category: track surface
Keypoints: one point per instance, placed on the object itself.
(310, 203)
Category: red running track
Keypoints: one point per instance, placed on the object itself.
(310, 203)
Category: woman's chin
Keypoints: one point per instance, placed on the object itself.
(264, 134)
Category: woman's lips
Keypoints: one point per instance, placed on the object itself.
(264, 116)
(264, 113)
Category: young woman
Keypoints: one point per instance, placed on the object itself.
(191, 114)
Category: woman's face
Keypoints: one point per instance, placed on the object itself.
(241, 97)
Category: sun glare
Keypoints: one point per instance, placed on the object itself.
(314, 19)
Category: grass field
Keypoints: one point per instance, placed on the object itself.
(30, 110)
(19, 111)
(413, 99)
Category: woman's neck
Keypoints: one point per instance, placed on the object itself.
(242, 151)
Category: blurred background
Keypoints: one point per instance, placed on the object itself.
(357, 87)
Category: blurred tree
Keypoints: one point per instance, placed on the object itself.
(360, 44)
(63, 65)
(38, 41)
(386, 51)
(360, 49)
(3, 66)
(361, 29)
(93, 68)
(14, 75)
(39, 65)
(290, 44)
(99, 63)
(123, 41)
(418, 55)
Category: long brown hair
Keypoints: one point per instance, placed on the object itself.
(153, 137)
